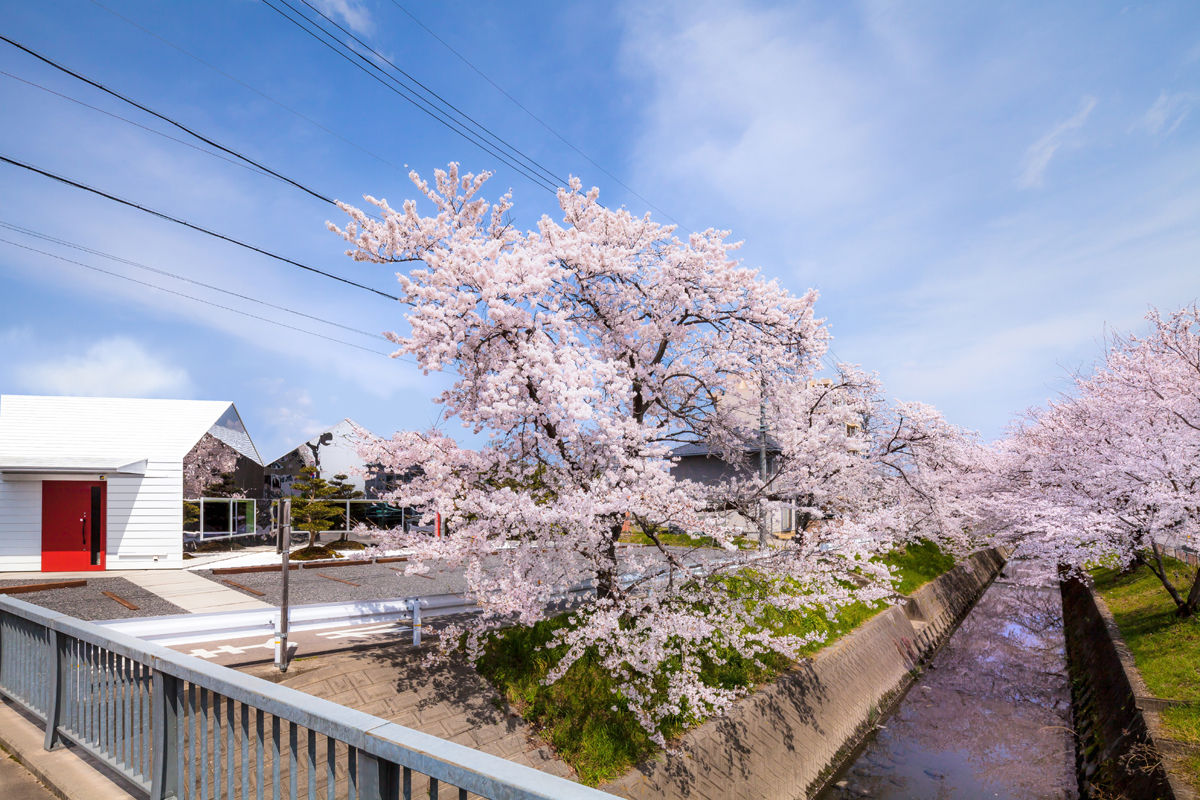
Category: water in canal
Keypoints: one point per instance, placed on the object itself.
(990, 716)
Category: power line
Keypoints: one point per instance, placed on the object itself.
(212, 143)
(532, 163)
(196, 299)
(247, 86)
(147, 267)
(532, 115)
(398, 88)
(134, 123)
(195, 227)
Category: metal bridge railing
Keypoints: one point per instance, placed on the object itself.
(176, 726)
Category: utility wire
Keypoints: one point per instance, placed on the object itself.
(193, 226)
(405, 93)
(51, 62)
(532, 163)
(147, 267)
(134, 123)
(248, 87)
(532, 115)
(197, 299)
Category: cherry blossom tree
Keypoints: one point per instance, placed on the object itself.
(1112, 471)
(845, 455)
(583, 351)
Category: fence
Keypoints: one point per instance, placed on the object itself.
(1185, 554)
(175, 726)
(212, 517)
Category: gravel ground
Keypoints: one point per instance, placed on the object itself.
(375, 582)
(88, 602)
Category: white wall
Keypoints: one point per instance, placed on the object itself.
(20, 524)
(145, 518)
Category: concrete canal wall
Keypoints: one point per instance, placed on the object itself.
(781, 741)
(1121, 750)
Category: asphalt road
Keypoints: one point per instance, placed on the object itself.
(361, 581)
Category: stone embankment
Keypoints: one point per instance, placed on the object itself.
(784, 739)
(1121, 748)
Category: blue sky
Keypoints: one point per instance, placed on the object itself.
(977, 190)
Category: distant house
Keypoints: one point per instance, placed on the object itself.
(90, 483)
(697, 462)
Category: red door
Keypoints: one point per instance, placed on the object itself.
(73, 514)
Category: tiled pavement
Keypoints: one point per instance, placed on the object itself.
(449, 700)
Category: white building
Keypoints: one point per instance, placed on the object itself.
(90, 483)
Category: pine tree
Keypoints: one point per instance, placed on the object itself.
(312, 510)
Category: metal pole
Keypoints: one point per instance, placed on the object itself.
(762, 462)
(285, 538)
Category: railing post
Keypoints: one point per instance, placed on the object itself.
(58, 643)
(377, 779)
(414, 603)
(165, 697)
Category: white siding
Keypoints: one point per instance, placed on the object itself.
(145, 518)
(20, 524)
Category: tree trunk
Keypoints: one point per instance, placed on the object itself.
(608, 573)
(1160, 572)
(1193, 599)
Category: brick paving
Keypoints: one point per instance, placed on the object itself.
(445, 699)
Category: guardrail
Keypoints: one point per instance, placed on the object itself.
(176, 726)
(176, 629)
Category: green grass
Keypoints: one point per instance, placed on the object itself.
(1165, 647)
(918, 564)
(582, 715)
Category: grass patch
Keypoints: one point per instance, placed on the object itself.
(1165, 647)
(582, 715)
(314, 553)
(918, 564)
(346, 544)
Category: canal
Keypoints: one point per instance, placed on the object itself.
(990, 716)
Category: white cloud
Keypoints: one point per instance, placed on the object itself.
(292, 413)
(116, 366)
(1168, 111)
(749, 103)
(1038, 157)
(352, 12)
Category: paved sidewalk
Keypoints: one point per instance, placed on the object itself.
(449, 700)
(68, 774)
(191, 592)
(18, 783)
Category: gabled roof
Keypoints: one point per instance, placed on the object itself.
(751, 445)
(342, 437)
(230, 430)
(53, 433)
